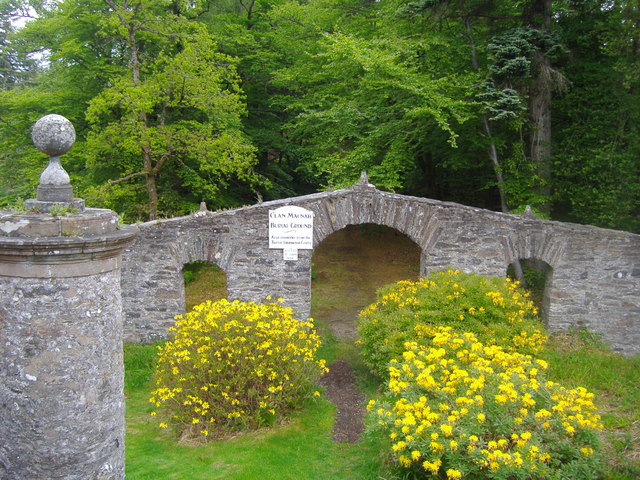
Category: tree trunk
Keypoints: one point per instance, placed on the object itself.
(152, 190)
(540, 111)
(493, 151)
(540, 106)
(153, 196)
(495, 161)
(150, 172)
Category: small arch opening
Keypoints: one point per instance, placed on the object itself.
(350, 265)
(535, 276)
(203, 281)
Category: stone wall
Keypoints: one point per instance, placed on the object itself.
(593, 279)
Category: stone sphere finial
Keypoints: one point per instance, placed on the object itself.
(53, 134)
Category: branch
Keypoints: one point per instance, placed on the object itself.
(123, 179)
(163, 159)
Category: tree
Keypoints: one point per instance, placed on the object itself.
(179, 103)
(74, 63)
(16, 66)
(418, 92)
(596, 161)
(363, 98)
(544, 80)
(162, 105)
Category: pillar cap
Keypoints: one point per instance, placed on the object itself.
(54, 135)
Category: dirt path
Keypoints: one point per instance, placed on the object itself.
(341, 390)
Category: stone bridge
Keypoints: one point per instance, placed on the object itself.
(593, 274)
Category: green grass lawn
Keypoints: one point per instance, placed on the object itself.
(301, 448)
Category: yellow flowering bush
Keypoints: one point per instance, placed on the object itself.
(495, 309)
(233, 365)
(459, 409)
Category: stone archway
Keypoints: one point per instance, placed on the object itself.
(203, 281)
(350, 265)
(538, 279)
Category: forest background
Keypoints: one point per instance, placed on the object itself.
(494, 104)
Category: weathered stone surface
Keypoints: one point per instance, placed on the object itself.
(92, 221)
(62, 378)
(61, 370)
(591, 280)
(54, 135)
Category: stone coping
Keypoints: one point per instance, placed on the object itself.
(370, 190)
(92, 221)
(47, 257)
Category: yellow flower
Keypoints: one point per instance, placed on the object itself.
(453, 474)
(586, 451)
(398, 446)
(432, 467)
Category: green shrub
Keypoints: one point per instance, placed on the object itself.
(234, 365)
(494, 309)
(460, 409)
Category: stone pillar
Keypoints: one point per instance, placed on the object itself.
(61, 369)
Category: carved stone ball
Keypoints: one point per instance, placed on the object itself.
(53, 134)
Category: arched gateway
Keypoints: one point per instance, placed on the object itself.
(593, 274)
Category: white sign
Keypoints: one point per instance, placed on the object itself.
(290, 254)
(291, 228)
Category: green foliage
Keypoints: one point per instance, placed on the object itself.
(176, 115)
(597, 145)
(362, 99)
(234, 365)
(511, 51)
(456, 407)
(62, 210)
(494, 309)
(192, 270)
(535, 276)
(501, 104)
(304, 95)
(16, 65)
